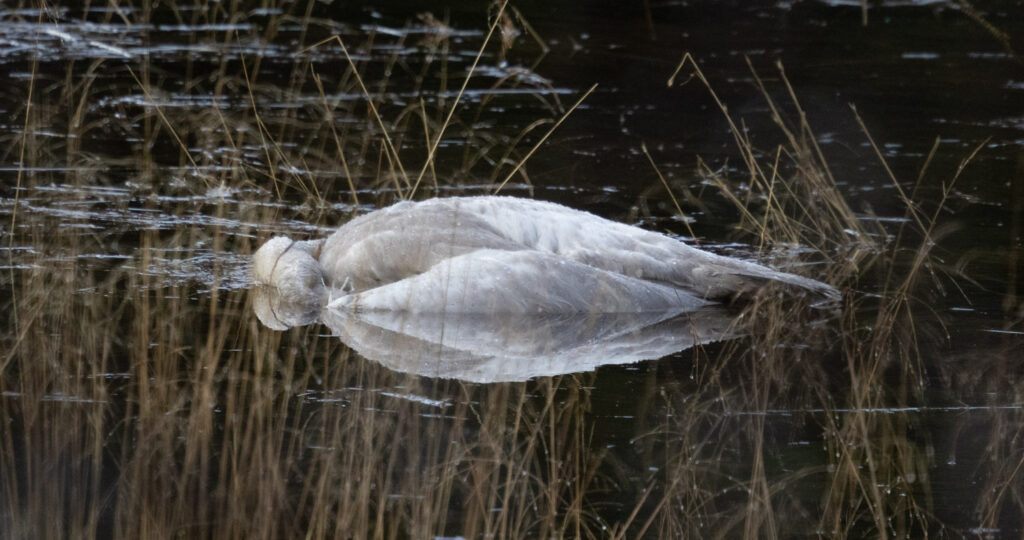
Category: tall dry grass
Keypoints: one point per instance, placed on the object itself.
(137, 406)
(877, 478)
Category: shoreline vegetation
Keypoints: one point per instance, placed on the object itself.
(139, 401)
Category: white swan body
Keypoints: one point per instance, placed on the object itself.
(505, 255)
(497, 281)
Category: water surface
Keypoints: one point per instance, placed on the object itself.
(149, 150)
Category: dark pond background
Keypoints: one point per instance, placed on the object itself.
(149, 147)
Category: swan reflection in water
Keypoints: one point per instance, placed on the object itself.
(504, 347)
(504, 289)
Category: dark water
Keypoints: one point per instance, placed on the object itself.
(148, 150)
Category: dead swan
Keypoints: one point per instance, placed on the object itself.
(504, 255)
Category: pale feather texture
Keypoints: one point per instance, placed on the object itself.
(299, 290)
(507, 255)
(487, 348)
(524, 281)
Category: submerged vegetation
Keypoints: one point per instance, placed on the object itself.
(140, 397)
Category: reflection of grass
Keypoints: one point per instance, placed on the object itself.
(133, 408)
(877, 474)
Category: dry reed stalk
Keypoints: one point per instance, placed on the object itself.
(872, 449)
(544, 138)
(451, 112)
(392, 152)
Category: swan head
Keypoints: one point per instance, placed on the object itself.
(289, 283)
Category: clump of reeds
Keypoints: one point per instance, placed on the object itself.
(877, 480)
(138, 407)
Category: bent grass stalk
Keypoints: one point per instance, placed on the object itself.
(458, 97)
(392, 152)
(163, 117)
(268, 142)
(668, 189)
(544, 138)
(23, 143)
(334, 135)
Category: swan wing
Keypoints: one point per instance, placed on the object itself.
(624, 249)
(409, 238)
(404, 240)
(497, 281)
